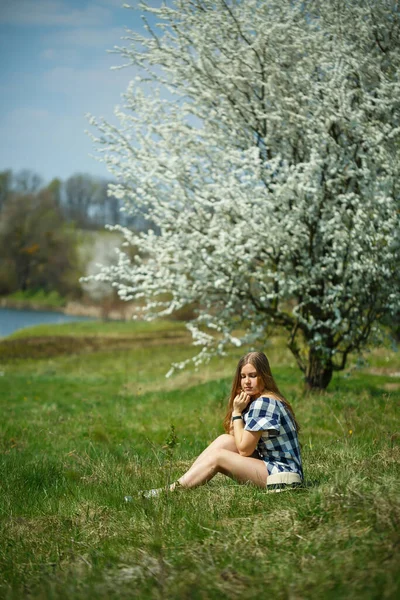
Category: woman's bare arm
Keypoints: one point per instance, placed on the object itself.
(246, 441)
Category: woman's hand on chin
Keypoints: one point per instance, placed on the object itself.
(240, 402)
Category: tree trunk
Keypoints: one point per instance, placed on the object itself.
(319, 371)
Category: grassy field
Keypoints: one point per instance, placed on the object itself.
(87, 417)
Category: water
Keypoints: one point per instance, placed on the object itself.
(12, 319)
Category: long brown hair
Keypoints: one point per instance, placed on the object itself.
(260, 362)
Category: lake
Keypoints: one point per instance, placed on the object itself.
(12, 319)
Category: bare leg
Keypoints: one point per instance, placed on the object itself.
(221, 456)
(222, 442)
(221, 460)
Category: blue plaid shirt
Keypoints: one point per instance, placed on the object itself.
(278, 445)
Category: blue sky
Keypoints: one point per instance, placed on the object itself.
(54, 68)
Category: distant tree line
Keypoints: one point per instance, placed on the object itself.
(39, 224)
(82, 198)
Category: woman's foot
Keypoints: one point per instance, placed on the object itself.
(156, 492)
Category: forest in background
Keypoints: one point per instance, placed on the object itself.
(49, 234)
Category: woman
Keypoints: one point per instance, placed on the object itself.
(260, 445)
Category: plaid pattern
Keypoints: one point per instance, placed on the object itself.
(279, 444)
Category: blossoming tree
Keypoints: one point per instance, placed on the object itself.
(267, 154)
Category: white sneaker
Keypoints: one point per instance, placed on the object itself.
(146, 494)
(156, 493)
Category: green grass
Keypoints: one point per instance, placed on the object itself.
(87, 422)
(38, 298)
(102, 329)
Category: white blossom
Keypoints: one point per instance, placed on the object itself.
(267, 155)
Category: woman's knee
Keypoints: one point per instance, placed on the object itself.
(216, 458)
(225, 441)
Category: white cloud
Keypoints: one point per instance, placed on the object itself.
(52, 12)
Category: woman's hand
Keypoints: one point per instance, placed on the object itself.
(240, 402)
